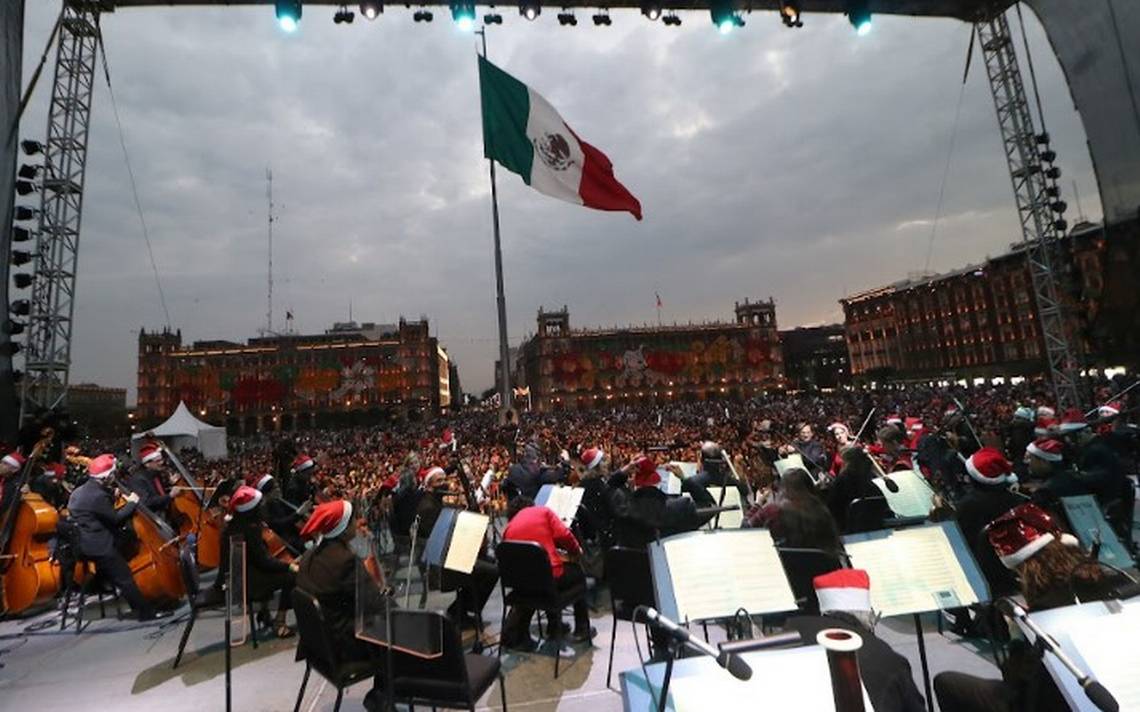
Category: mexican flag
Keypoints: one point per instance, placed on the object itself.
(524, 133)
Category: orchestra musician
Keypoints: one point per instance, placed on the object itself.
(151, 481)
(991, 494)
(265, 575)
(300, 488)
(889, 450)
(814, 457)
(713, 471)
(526, 477)
(645, 513)
(843, 440)
(10, 467)
(530, 522)
(853, 482)
(280, 516)
(92, 509)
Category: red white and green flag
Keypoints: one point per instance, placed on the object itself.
(525, 134)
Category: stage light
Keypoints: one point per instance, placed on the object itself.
(603, 18)
(12, 348)
(21, 307)
(25, 213)
(31, 148)
(1058, 206)
(672, 20)
(530, 9)
(1054, 172)
(1048, 156)
(651, 10)
(371, 9)
(1052, 191)
(567, 18)
(13, 328)
(492, 18)
(724, 16)
(28, 171)
(423, 16)
(463, 13)
(24, 187)
(860, 16)
(23, 280)
(1061, 225)
(288, 14)
(20, 234)
(344, 15)
(19, 257)
(790, 13)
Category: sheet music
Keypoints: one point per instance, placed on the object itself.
(1090, 526)
(688, 469)
(728, 520)
(912, 571)
(562, 500)
(791, 462)
(466, 541)
(670, 483)
(796, 679)
(1104, 643)
(714, 574)
(915, 498)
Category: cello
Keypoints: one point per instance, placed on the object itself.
(155, 563)
(30, 576)
(189, 509)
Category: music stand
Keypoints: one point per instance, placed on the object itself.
(564, 501)
(454, 544)
(1094, 532)
(235, 586)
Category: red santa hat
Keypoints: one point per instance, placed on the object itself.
(1110, 410)
(425, 475)
(300, 463)
(263, 482)
(1073, 421)
(645, 473)
(390, 483)
(914, 425)
(14, 460)
(245, 499)
(101, 467)
(1046, 449)
(328, 521)
(149, 453)
(1022, 532)
(1044, 411)
(1045, 425)
(593, 457)
(989, 467)
(843, 590)
(56, 469)
(894, 419)
(447, 440)
(837, 427)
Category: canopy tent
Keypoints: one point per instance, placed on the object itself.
(183, 430)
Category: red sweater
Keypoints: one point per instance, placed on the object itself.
(542, 526)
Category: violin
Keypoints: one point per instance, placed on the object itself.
(156, 559)
(30, 576)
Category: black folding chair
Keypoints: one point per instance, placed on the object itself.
(631, 585)
(320, 653)
(454, 680)
(71, 556)
(524, 569)
(802, 566)
(867, 514)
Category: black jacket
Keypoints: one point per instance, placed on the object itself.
(886, 674)
(264, 574)
(328, 572)
(143, 483)
(644, 514)
(92, 509)
(528, 480)
(981, 505)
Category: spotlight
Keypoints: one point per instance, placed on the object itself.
(371, 9)
(13, 328)
(567, 18)
(530, 9)
(288, 14)
(1054, 172)
(31, 148)
(860, 16)
(1048, 156)
(1058, 206)
(651, 10)
(1061, 225)
(20, 234)
(21, 307)
(463, 13)
(603, 18)
(423, 16)
(1043, 138)
(24, 187)
(28, 171)
(672, 20)
(25, 213)
(1052, 191)
(344, 15)
(724, 16)
(790, 13)
(11, 348)
(23, 280)
(19, 257)
(493, 18)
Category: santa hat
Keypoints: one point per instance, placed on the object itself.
(835, 428)
(301, 462)
(1024, 413)
(328, 521)
(914, 425)
(390, 483)
(1110, 410)
(593, 457)
(894, 419)
(1044, 411)
(645, 473)
(1046, 449)
(149, 453)
(1022, 532)
(447, 440)
(425, 475)
(263, 482)
(56, 469)
(14, 460)
(1045, 425)
(843, 590)
(989, 467)
(1073, 421)
(101, 467)
(245, 499)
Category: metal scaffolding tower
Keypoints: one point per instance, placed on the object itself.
(48, 346)
(1036, 198)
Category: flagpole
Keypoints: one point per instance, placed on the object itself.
(500, 299)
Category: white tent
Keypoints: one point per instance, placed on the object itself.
(182, 430)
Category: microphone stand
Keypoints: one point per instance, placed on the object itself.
(411, 563)
(670, 656)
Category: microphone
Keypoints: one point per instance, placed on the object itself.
(727, 660)
(1097, 693)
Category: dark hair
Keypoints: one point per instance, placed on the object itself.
(856, 463)
(796, 483)
(517, 505)
(889, 434)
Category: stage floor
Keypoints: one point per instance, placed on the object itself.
(125, 666)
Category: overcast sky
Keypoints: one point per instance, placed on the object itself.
(803, 165)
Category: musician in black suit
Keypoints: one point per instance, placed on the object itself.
(91, 509)
(646, 513)
(713, 472)
(527, 477)
(150, 481)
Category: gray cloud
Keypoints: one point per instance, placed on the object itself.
(801, 165)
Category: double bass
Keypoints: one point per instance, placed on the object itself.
(190, 513)
(155, 563)
(30, 577)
